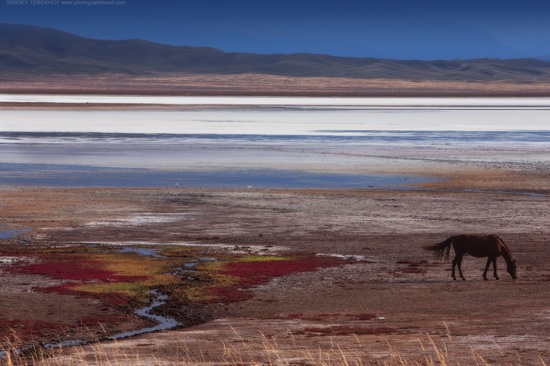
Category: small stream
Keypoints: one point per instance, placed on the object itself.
(163, 323)
(159, 298)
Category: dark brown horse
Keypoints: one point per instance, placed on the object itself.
(480, 246)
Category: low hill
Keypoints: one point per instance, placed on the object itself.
(35, 51)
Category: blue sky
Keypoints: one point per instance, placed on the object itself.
(402, 29)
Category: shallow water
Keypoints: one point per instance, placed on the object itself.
(11, 233)
(357, 136)
(78, 176)
(148, 252)
(163, 322)
(257, 142)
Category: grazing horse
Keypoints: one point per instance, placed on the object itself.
(480, 246)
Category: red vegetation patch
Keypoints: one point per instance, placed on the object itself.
(78, 270)
(74, 269)
(315, 317)
(365, 316)
(253, 273)
(412, 267)
(408, 270)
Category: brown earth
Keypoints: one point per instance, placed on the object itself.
(258, 85)
(396, 302)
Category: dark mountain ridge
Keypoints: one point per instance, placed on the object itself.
(37, 51)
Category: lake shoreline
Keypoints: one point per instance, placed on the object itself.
(263, 85)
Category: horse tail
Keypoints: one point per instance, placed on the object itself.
(441, 250)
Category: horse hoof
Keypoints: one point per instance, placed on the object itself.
(484, 278)
(496, 278)
(463, 279)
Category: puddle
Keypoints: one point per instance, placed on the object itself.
(208, 259)
(12, 233)
(148, 252)
(529, 194)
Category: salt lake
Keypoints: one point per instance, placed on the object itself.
(261, 139)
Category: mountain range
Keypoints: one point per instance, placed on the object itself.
(35, 51)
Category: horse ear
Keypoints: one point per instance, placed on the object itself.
(514, 261)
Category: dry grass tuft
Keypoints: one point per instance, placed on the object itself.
(244, 352)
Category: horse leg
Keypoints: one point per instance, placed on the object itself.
(495, 269)
(459, 263)
(489, 260)
(455, 260)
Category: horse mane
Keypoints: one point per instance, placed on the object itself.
(507, 255)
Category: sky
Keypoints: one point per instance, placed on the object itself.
(398, 29)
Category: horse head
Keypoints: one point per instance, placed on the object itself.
(512, 269)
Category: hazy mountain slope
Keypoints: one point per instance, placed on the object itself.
(29, 50)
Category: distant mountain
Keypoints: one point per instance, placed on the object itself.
(35, 51)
